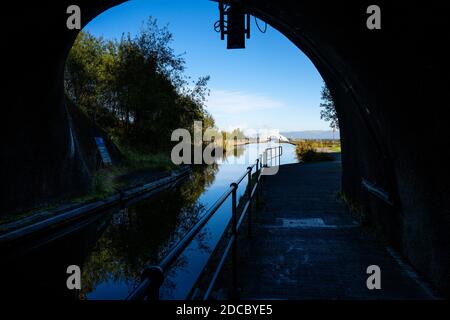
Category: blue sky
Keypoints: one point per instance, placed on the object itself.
(269, 85)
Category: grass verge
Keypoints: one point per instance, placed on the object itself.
(106, 181)
(316, 150)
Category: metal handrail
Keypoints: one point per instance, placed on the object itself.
(267, 159)
(153, 276)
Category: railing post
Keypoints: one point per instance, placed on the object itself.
(156, 276)
(271, 157)
(249, 185)
(234, 253)
(257, 181)
(261, 164)
(262, 176)
(280, 153)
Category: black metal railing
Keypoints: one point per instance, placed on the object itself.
(271, 154)
(153, 276)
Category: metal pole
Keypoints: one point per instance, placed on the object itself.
(272, 157)
(262, 174)
(247, 31)
(234, 292)
(279, 155)
(257, 181)
(249, 230)
(156, 276)
(222, 20)
(265, 158)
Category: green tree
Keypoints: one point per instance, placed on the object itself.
(238, 133)
(135, 88)
(82, 80)
(328, 112)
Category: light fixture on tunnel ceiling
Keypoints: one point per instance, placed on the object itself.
(234, 22)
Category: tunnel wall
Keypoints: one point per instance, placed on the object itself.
(388, 84)
(41, 160)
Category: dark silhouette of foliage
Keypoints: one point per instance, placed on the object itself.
(328, 112)
(135, 88)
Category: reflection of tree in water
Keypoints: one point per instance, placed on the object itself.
(202, 240)
(235, 151)
(143, 233)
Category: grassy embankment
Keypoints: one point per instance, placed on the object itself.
(316, 150)
(106, 181)
(135, 167)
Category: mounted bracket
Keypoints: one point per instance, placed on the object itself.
(234, 22)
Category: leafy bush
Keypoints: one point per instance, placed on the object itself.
(103, 182)
(138, 160)
(306, 151)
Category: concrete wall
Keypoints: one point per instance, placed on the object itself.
(389, 87)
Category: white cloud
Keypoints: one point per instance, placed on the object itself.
(242, 126)
(235, 102)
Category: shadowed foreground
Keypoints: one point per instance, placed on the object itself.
(306, 245)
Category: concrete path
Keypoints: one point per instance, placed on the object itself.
(307, 246)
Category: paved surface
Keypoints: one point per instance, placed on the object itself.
(307, 246)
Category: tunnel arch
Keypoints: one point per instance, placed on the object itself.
(324, 61)
(381, 81)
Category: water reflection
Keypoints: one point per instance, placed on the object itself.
(148, 229)
(113, 248)
(141, 234)
(230, 168)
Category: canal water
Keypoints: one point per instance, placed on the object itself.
(113, 251)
